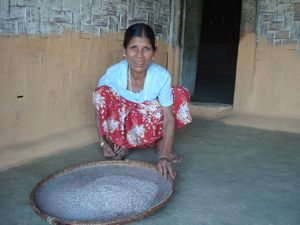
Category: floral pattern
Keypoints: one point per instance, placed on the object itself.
(182, 113)
(136, 134)
(132, 125)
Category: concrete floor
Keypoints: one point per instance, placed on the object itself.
(230, 175)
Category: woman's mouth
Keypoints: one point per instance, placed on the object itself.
(139, 64)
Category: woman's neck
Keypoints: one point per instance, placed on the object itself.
(135, 81)
(137, 76)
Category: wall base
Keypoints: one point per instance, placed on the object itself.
(22, 153)
(263, 122)
(209, 111)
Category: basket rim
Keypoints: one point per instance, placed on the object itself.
(54, 220)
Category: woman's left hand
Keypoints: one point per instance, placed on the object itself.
(165, 168)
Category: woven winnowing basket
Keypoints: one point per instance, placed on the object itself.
(140, 170)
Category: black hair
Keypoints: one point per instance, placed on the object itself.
(139, 30)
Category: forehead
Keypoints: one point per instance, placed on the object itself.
(141, 41)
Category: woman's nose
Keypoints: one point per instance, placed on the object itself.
(140, 53)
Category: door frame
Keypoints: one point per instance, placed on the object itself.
(190, 45)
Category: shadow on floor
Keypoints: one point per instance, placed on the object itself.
(230, 175)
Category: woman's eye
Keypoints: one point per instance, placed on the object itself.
(135, 49)
(147, 49)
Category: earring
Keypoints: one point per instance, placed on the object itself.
(124, 54)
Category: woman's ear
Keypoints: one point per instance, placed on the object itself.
(124, 52)
(153, 55)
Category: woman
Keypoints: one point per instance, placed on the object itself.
(136, 105)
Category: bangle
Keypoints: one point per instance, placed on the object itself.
(102, 143)
(164, 157)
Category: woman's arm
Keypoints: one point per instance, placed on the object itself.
(165, 148)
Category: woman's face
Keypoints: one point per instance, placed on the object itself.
(139, 53)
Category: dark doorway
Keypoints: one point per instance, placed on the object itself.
(218, 49)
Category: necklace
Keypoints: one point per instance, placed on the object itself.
(129, 82)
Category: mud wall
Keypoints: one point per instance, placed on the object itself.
(268, 69)
(52, 54)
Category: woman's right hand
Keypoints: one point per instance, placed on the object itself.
(108, 152)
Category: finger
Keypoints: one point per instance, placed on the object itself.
(171, 181)
(160, 168)
(171, 172)
(116, 149)
(172, 175)
(165, 170)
